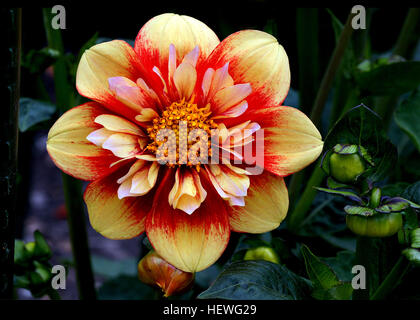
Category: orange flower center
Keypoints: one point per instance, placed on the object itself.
(181, 133)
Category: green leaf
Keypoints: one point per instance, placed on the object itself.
(21, 255)
(332, 184)
(358, 210)
(36, 61)
(259, 280)
(42, 249)
(33, 112)
(345, 148)
(351, 195)
(321, 275)
(327, 286)
(412, 192)
(412, 255)
(341, 291)
(391, 79)
(407, 117)
(342, 264)
(125, 288)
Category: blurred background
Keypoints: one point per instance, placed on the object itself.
(40, 196)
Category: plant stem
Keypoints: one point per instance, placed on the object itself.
(53, 294)
(78, 237)
(407, 39)
(332, 68)
(308, 55)
(10, 83)
(317, 176)
(363, 249)
(71, 186)
(298, 214)
(392, 279)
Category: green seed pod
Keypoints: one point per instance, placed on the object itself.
(262, 253)
(379, 225)
(375, 198)
(346, 168)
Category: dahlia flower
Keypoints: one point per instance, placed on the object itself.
(193, 184)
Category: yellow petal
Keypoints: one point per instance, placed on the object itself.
(99, 136)
(228, 181)
(228, 97)
(185, 77)
(69, 147)
(118, 124)
(187, 194)
(188, 242)
(135, 97)
(265, 207)
(122, 145)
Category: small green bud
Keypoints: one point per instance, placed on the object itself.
(375, 198)
(262, 253)
(346, 167)
(30, 247)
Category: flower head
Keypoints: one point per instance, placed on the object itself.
(186, 137)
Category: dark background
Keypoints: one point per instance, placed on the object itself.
(123, 21)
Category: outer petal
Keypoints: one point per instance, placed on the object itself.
(185, 33)
(255, 57)
(112, 217)
(291, 140)
(265, 205)
(69, 148)
(101, 62)
(189, 242)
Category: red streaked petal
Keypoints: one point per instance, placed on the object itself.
(189, 242)
(255, 57)
(101, 62)
(112, 217)
(69, 147)
(183, 32)
(291, 140)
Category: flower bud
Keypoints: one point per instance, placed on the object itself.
(375, 197)
(155, 271)
(262, 253)
(346, 165)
